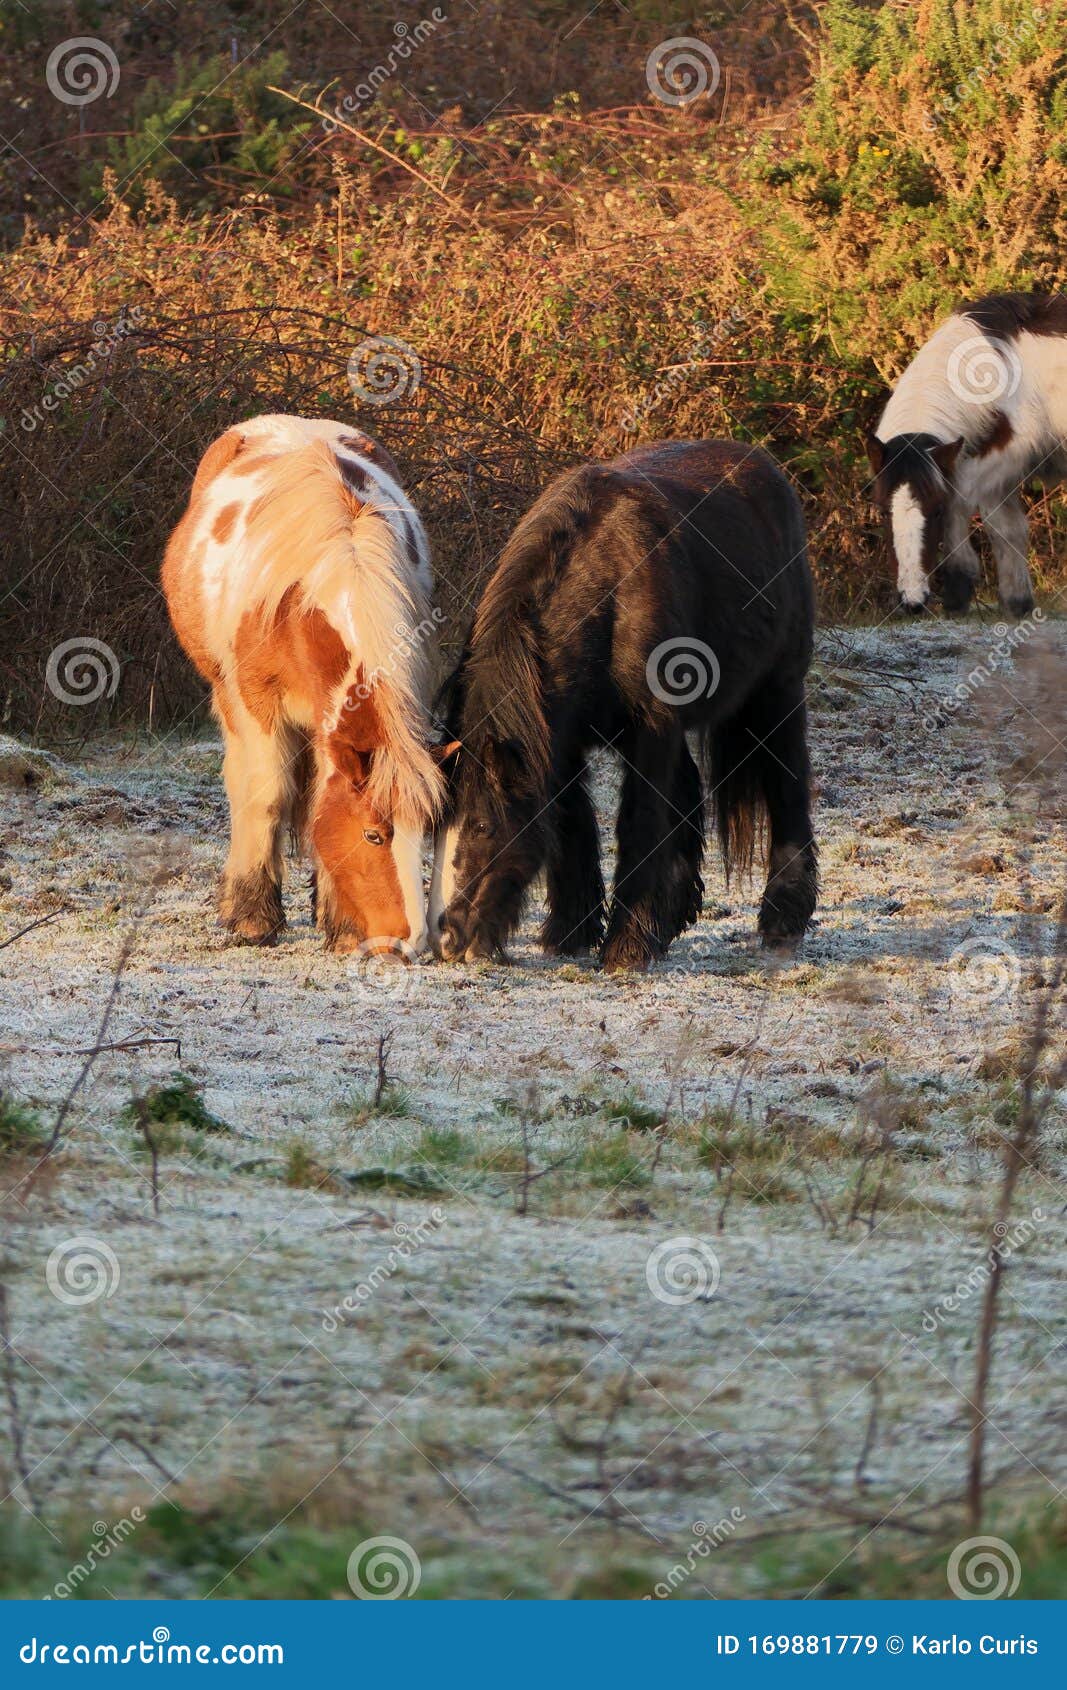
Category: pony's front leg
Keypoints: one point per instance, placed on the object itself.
(641, 921)
(1005, 522)
(957, 574)
(257, 786)
(575, 880)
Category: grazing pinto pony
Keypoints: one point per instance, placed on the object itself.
(665, 592)
(980, 409)
(298, 583)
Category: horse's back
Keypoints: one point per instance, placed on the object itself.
(738, 541)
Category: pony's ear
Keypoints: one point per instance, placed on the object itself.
(447, 753)
(945, 456)
(875, 452)
(355, 765)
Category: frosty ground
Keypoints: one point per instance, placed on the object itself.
(626, 1285)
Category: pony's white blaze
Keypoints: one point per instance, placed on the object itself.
(407, 860)
(908, 523)
(443, 876)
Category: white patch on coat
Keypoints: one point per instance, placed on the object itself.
(407, 860)
(909, 524)
(443, 877)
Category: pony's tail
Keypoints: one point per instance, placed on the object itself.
(736, 770)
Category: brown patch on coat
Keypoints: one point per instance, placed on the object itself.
(224, 523)
(1000, 435)
(290, 668)
(367, 447)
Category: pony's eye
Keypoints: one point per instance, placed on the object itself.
(373, 837)
(482, 829)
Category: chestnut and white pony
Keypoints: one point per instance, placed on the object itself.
(980, 409)
(298, 582)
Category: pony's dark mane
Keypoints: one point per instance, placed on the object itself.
(495, 697)
(1004, 315)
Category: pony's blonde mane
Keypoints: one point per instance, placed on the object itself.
(307, 529)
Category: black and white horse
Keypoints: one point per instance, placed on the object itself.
(980, 409)
(662, 593)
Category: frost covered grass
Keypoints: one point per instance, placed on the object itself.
(590, 1259)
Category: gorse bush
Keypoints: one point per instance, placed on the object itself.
(927, 164)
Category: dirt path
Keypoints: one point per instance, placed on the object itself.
(684, 1337)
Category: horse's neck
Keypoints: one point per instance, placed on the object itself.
(923, 401)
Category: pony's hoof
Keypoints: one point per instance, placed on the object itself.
(1020, 607)
(567, 942)
(625, 956)
(957, 591)
(251, 933)
(781, 947)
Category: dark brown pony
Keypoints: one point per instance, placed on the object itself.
(662, 594)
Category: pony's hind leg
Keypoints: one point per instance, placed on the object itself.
(644, 900)
(687, 837)
(575, 920)
(258, 776)
(792, 879)
(1006, 523)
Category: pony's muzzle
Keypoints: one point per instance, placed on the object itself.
(913, 607)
